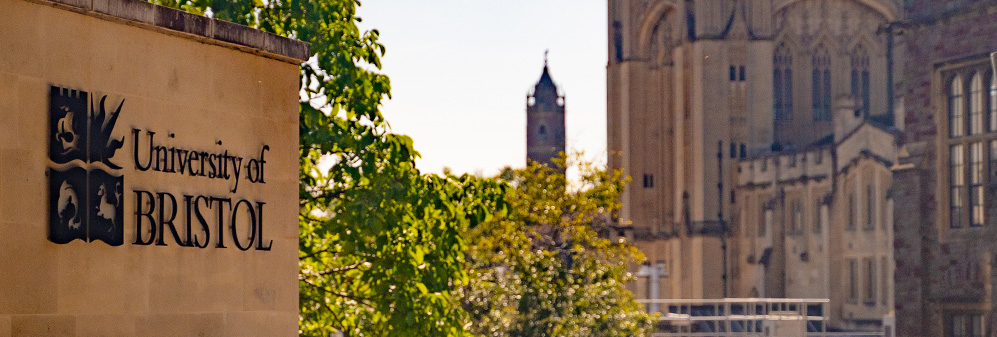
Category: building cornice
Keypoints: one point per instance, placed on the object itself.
(177, 22)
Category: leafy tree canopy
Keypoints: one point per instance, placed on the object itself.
(542, 270)
(380, 244)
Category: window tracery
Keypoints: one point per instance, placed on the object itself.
(821, 77)
(860, 78)
(783, 83)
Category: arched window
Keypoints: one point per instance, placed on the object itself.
(957, 174)
(783, 83)
(659, 50)
(993, 105)
(543, 130)
(860, 77)
(976, 150)
(957, 125)
(656, 44)
(821, 76)
(976, 104)
(972, 150)
(618, 40)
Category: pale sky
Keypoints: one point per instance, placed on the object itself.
(460, 71)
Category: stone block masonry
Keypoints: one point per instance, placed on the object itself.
(107, 231)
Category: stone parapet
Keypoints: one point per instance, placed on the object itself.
(208, 30)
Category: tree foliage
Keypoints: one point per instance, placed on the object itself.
(386, 262)
(542, 270)
(380, 244)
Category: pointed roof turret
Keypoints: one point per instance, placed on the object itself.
(545, 90)
(545, 80)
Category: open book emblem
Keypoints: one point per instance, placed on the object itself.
(85, 187)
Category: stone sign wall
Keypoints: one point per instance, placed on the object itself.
(148, 173)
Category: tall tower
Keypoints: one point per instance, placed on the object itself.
(686, 80)
(544, 121)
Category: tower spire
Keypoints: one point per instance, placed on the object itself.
(544, 120)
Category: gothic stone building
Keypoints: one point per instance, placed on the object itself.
(698, 89)
(945, 186)
(817, 222)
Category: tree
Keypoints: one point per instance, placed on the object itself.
(380, 245)
(542, 270)
(385, 262)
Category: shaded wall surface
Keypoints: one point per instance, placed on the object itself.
(131, 137)
(944, 275)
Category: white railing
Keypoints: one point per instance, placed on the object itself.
(744, 317)
(760, 334)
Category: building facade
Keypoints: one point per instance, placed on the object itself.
(703, 94)
(544, 121)
(817, 223)
(945, 186)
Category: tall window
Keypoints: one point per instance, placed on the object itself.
(993, 105)
(738, 73)
(860, 77)
(821, 84)
(823, 215)
(957, 180)
(870, 281)
(618, 40)
(853, 278)
(976, 183)
(797, 221)
(851, 211)
(783, 83)
(993, 160)
(766, 221)
(884, 281)
(964, 325)
(956, 109)
(972, 142)
(870, 208)
(976, 105)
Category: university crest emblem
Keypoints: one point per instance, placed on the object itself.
(85, 187)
